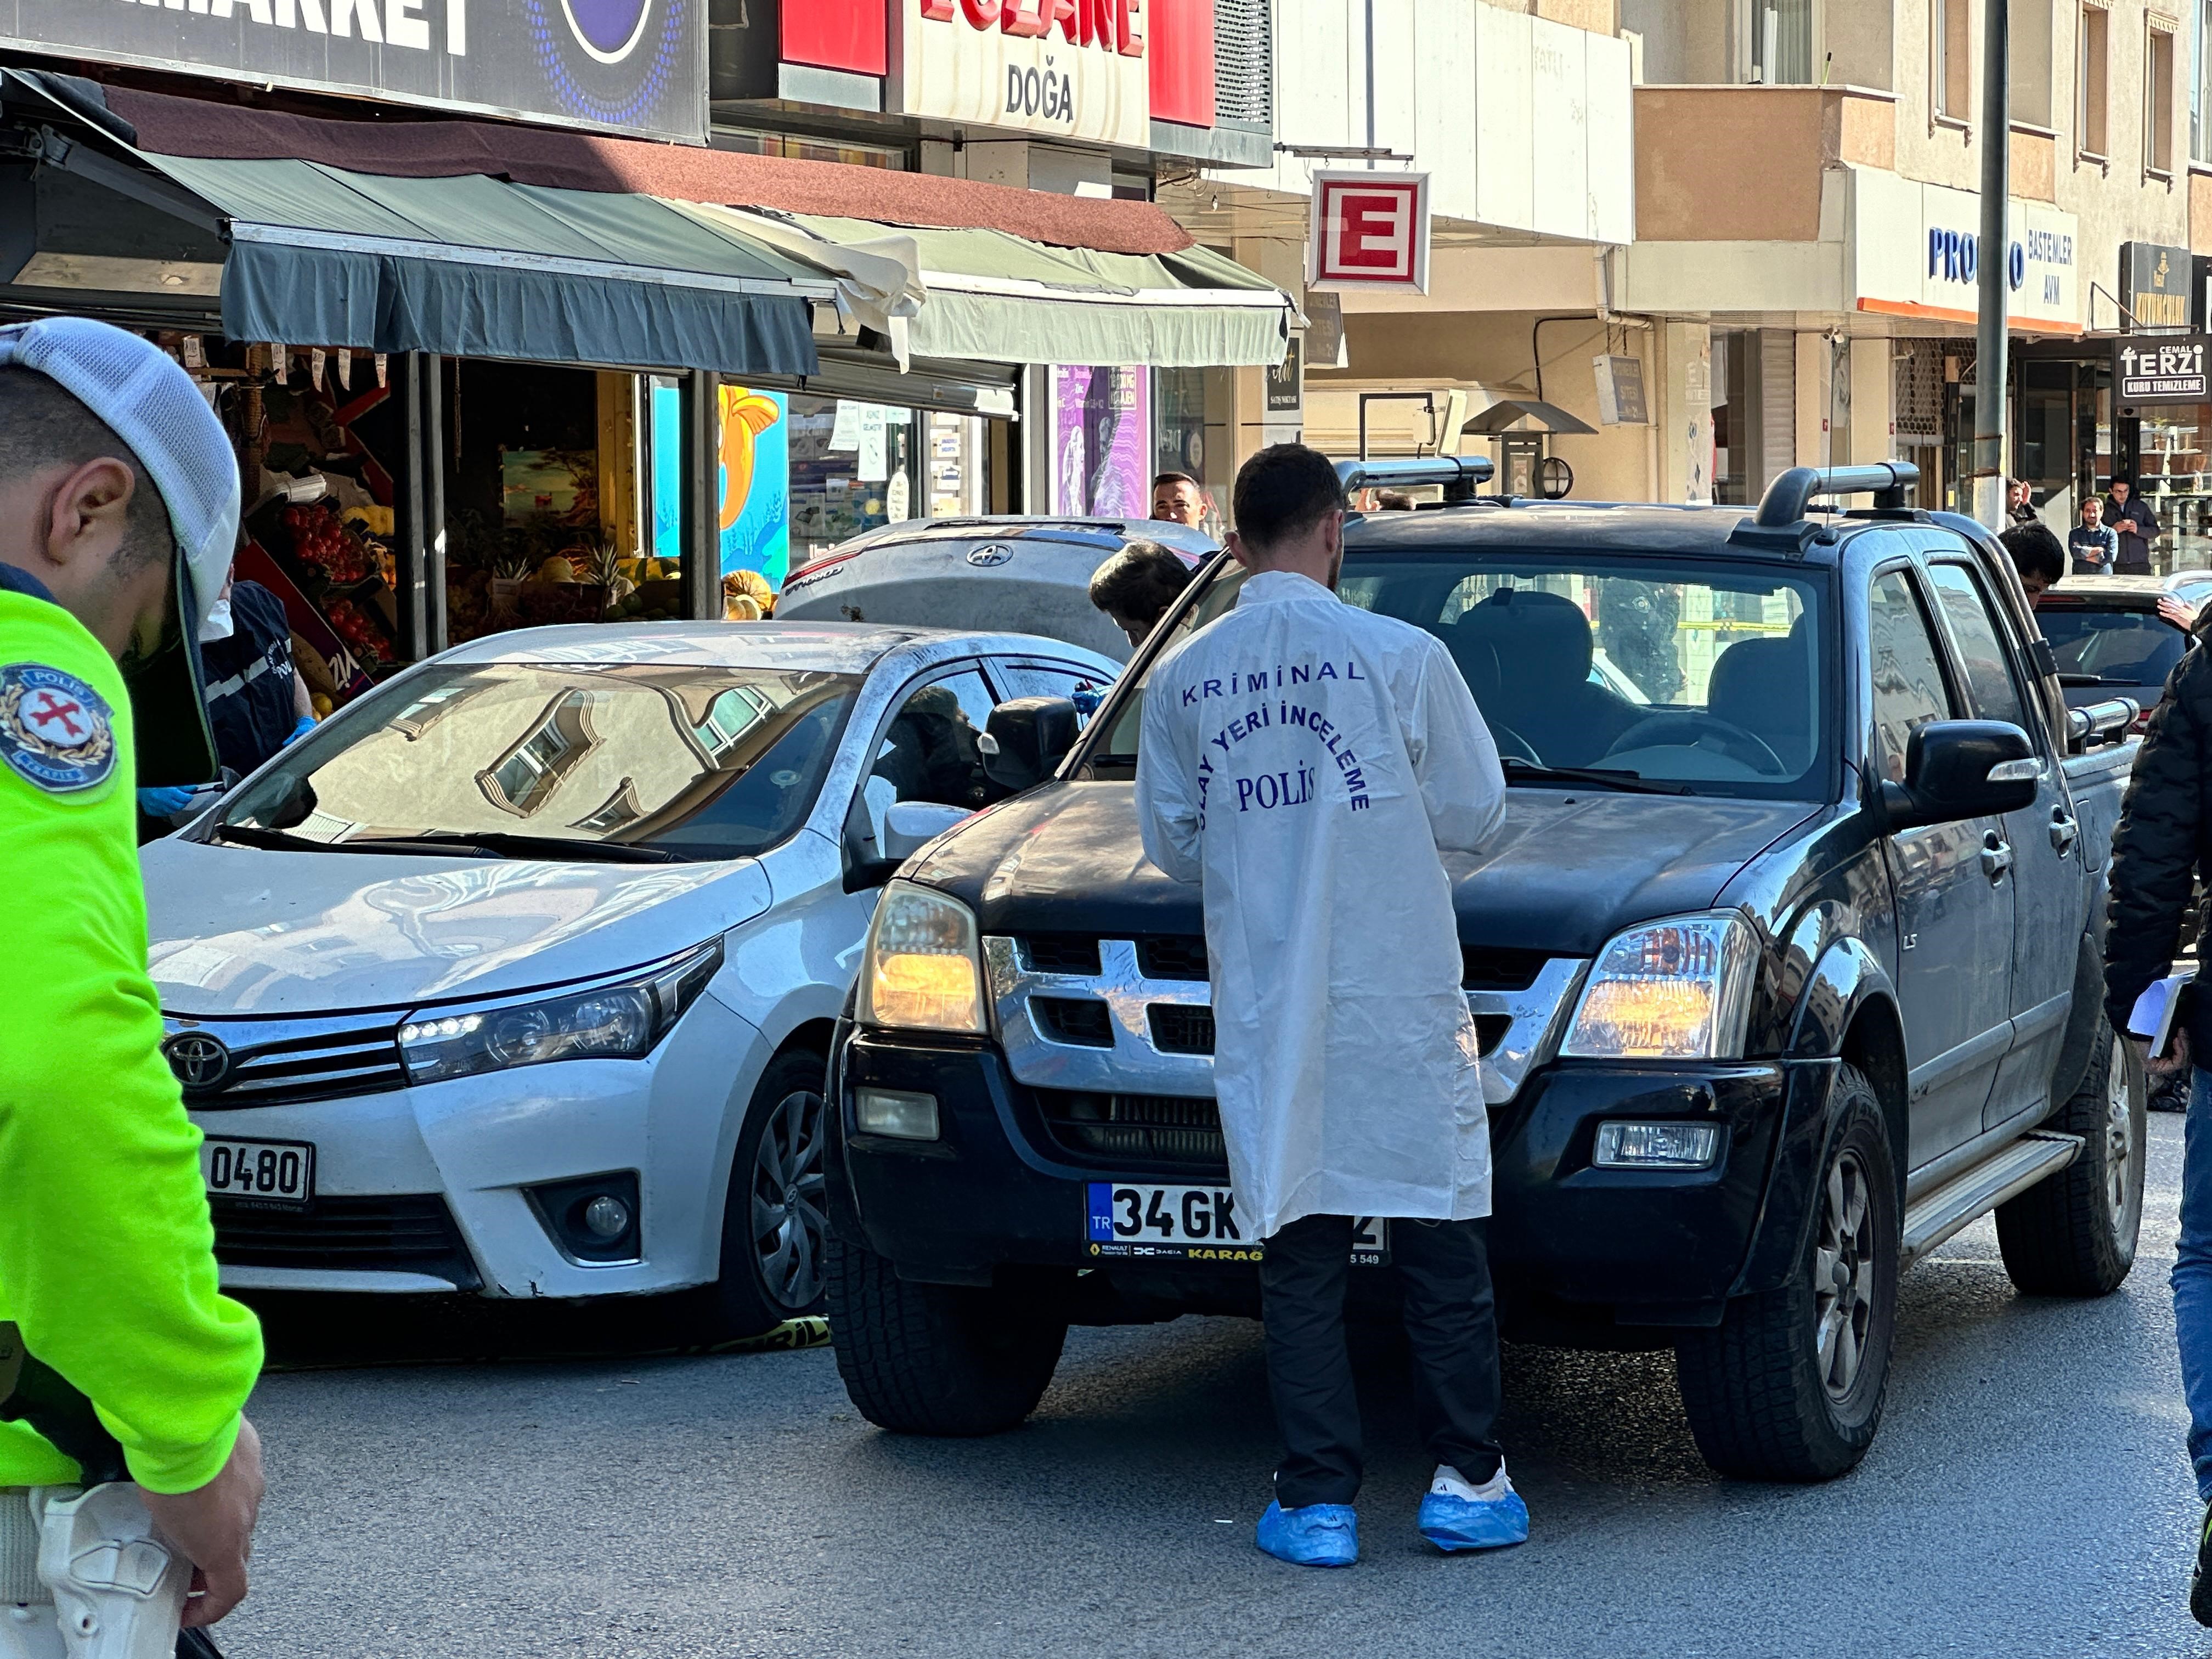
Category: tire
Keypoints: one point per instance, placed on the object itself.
(774, 1220)
(1790, 1386)
(936, 1359)
(2073, 1233)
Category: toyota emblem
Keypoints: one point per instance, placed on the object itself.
(198, 1060)
(990, 553)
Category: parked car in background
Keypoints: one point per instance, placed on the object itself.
(2110, 640)
(517, 976)
(1029, 575)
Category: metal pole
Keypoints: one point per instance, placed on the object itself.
(433, 452)
(413, 624)
(1995, 253)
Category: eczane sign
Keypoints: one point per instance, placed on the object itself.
(1069, 68)
(1370, 230)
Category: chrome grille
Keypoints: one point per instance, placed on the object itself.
(280, 1062)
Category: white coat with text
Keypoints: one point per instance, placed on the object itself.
(1306, 762)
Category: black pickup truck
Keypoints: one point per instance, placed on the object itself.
(1785, 965)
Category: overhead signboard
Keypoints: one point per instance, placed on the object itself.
(628, 66)
(1620, 391)
(1915, 252)
(1066, 69)
(2154, 285)
(2160, 368)
(1370, 231)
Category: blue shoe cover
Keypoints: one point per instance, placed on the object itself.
(1468, 1523)
(1317, 1535)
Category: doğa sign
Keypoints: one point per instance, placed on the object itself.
(1073, 68)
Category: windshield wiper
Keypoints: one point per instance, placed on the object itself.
(493, 844)
(1635, 783)
(526, 846)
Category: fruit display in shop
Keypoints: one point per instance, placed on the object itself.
(362, 637)
(323, 543)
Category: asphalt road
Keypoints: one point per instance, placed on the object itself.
(2028, 1496)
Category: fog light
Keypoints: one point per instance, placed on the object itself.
(606, 1217)
(892, 1112)
(1675, 1146)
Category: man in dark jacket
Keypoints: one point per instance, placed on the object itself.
(2165, 837)
(2130, 516)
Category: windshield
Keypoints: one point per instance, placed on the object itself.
(1708, 678)
(690, 762)
(2120, 648)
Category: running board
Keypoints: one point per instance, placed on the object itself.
(1968, 1196)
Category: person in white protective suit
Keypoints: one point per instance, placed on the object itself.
(1305, 762)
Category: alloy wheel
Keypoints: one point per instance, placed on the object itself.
(1843, 1276)
(2119, 1146)
(788, 1225)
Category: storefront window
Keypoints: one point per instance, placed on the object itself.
(1190, 425)
(1101, 441)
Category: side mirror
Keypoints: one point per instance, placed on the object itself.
(911, 825)
(1026, 739)
(1956, 769)
(867, 864)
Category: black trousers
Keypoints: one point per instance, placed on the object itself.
(1451, 1325)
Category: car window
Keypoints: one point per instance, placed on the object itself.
(2119, 648)
(1981, 652)
(927, 749)
(1907, 670)
(699, 761)
(1020, 678)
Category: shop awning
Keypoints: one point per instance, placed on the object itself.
(996, 297)
(474, 265)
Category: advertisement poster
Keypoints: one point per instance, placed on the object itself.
(755, 504)
(1101, 438)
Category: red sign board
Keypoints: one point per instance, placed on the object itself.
(1183, 62)
(1370, 230)
(852, 35)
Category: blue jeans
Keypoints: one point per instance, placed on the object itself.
(2192, 1277)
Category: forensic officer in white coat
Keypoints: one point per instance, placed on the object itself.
(1306, 761)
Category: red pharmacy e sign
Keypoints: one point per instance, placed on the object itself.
(1370, 230)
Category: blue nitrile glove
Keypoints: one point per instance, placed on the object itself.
(164, 803)
(306, 725)
(1086, 699)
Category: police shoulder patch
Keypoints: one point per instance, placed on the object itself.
(56, 733)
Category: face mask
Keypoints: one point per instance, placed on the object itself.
(217, 625)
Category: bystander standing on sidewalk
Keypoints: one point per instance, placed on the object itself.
(2129, 518)
(2094, 547)
(1345, 1061)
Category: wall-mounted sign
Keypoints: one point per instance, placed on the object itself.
(1915, 252)
(1286, 382)
(630, 66)
(1620, 391)
(1370, 230)
(1071, 69)
(1101, 441)
(2160, 368)
(2154, 285)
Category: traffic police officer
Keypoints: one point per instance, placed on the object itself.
(118, 513)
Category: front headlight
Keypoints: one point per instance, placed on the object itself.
(620, 1020)
(1678, 989)
(924, 970)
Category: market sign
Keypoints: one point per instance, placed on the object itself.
(2154, 285)
(1370, 230)
(2160, 368)
(1915, 250)
(628, 66)
(1071, 69)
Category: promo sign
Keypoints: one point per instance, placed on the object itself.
(1370, 230)
(1072, 68)
(2161, 369)
(628, 66)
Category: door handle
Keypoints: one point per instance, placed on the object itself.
(1997, 855)
(2064, 831)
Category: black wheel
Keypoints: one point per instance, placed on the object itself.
(1790, 1386)
(772, 1220)
(938, 1359)
(2073, 1233)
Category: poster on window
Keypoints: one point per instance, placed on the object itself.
(755, 504)
(1101, 441)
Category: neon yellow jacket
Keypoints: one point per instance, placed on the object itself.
(107, 1252)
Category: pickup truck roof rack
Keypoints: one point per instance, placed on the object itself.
(1780, 521)
(1458, 474)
